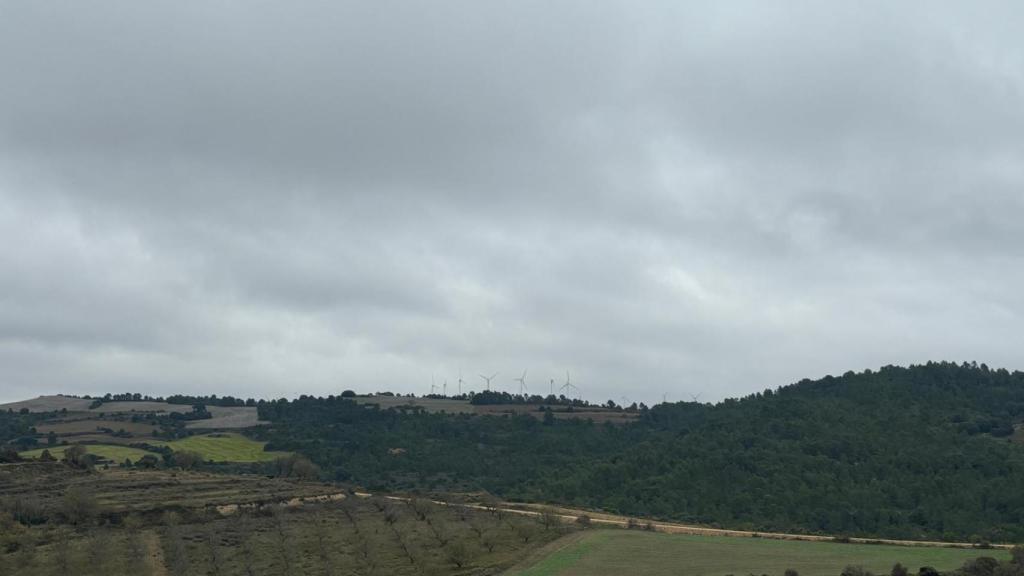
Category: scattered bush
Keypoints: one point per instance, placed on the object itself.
(295, 466)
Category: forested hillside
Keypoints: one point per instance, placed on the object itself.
(902, 452)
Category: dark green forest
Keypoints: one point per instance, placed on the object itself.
(918, 452)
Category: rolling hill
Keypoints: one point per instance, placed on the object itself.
(918, 452)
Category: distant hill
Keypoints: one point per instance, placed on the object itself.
(921, 452)
(221, 416)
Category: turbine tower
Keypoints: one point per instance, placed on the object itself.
(488, 379)
(460, 381)
(433, 385)
(522, 383)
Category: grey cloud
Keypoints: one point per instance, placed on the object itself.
(665, 199)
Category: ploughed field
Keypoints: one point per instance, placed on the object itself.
(616, 551)
(160, 522)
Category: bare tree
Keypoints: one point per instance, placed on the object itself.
(439, 527)
(284, 542)
(526, 532)
(367, 559)
(26, 557)
(61, 553)
(348, 506)
(80, 505)
(421, 508)
(321, 534)
(175, 550)
(489, 539)
(136, 547)
(550, 520)
(246, 547)
(213, 552)
(458, 553)
(26, 509)
(99, 551)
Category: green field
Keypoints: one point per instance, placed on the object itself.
(226, 447)
(110, 452)
(613, 552)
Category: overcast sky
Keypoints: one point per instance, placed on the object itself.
(274, 198)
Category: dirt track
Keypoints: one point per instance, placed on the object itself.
(601, 519)
(570, 515)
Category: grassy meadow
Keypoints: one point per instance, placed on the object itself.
(613, 552)
(224, 447)
(116, 454)
(218, 447)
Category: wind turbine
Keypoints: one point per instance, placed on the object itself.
(552, 386)
(460, 381)
(696, 398)
(445, 394)
(488, 379)
(568, 384)
(522, 382)
(433, 385)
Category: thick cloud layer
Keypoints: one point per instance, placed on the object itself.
(267, 199)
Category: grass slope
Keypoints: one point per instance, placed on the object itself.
(169, 527)
(613, 552)
(226, 447)
(107, 451)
